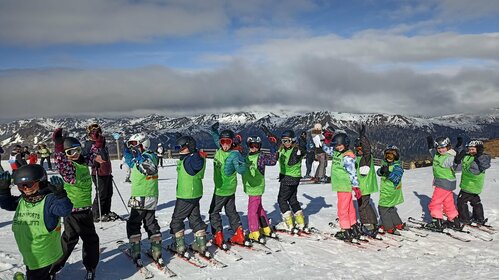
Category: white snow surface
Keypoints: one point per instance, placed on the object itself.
(436, 256)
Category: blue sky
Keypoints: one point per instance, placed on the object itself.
(210, 56)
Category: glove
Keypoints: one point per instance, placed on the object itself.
(5, 180)
(215, 126)
(237, 140)
(203, 154)
(358, 193)
(362, 131)
(100, 141)
(58, 140)
(383, 171)
(272, 139)
(57, 187)
(429, 142)
(459, 157)
(459, 142)
(137, 155)
(121, 166)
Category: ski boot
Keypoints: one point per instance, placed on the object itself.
(393, 231)
(435, 225)
(90, 274)
(300, 222)
(454, 224)
(155, 240)
(220, 241)
(135, 247)
(199, 244)
(267, 231)
(287, 223)
(381, 229)
(345, 235)
(240, 238)
(179, 243)
(255, 236)
(369, 230)
(19, 276)
(401, 226)
(357, 232)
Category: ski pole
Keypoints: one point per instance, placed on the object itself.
(116, 187)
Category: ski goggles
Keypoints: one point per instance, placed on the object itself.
(27, 185)
(254, 145)
(92, 127)
(287, 140)
(226, 141)
(73, 151)
(132, 143)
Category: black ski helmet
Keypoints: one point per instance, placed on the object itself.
(341, 139)
(254, 139)
(71, 142)
(289, 134)
(442, 142)
(29, 173)
(186, 141)
(227, 133)
(394, 149)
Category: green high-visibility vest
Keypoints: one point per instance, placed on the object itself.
(368, 184)
(340, 179)
(470, 182)
(80, 193)
(224, 185)
(188, 186)
(286, 169)
(390, 195)
(144, 185)
(441, 172)
(38, 246)
(253, 179)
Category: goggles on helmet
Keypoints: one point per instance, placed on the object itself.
(254, 145)
(286, 140)
(73, 151)
(27, 185)
(132, 143)
(226, 141)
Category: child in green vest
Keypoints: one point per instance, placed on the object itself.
(290, 160)
(144, 197)
(444, 183)
(227, 163)
(391, 193)
(474, 163)
(190, 170)
(344, 181)
(254, 186)
(78, 184)
(36, 224)
(368, 183)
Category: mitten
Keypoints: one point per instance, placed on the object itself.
(57, 186)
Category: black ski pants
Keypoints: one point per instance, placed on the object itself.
(287, 198)
(79, 225)
(462, 207)
(103, 185)
(309, 160)
(39, 274)
(389, 217)
(229, 203)
(145, 217)
(186, 208)
(366, 210)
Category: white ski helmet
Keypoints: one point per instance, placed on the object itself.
(141, 138)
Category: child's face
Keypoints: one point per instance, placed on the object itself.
(339, 147)
(184, 151)
(472, 151)
(359, 151)
(29, 191)
(225, 144)
(441, 150)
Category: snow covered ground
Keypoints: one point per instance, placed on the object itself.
(436, 256)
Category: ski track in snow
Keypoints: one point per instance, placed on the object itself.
(436, 256)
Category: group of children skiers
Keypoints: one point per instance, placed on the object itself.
(45, 250)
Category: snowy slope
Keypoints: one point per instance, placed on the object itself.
(436, 256)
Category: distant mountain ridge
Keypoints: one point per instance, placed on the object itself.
(408, 133)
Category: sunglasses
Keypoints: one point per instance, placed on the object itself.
(132, 143)
(73, 151)
(286, 141)
(27, 185)
(226, 141)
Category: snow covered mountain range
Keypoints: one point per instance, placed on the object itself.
(408, 133)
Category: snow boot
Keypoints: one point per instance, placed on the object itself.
(90, 274)
(239, 238)
(287, 222)
(199, 244)
(135, 247)
(300, 220)
(179, 243)
(220, 240)
(435, 225)
(256, 237)
(155, 240)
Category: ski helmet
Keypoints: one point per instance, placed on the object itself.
(186, 141)
(227, 134)
(392, 149)
(474, 143)
(341, 139)
(92, 127)
(140, 139)
(71, 142)
(254, 140)
(442, 142)
(289, 134)
(29, 173)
